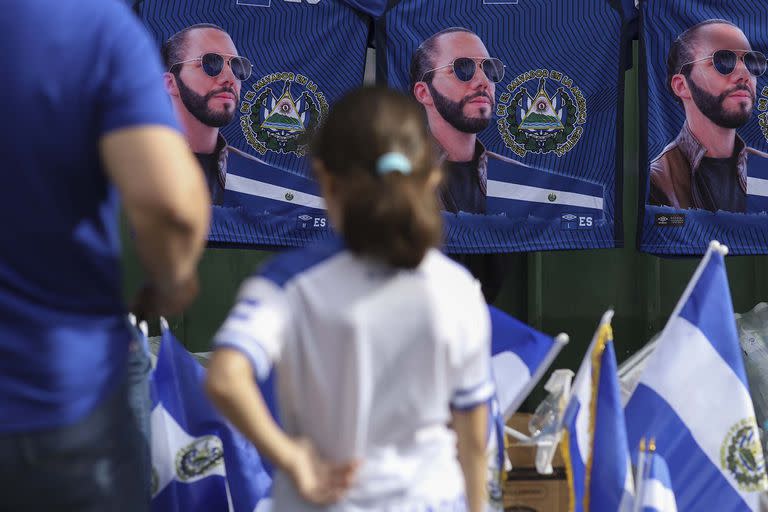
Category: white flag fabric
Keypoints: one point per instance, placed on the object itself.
(520, 357)
(199, 462)
(693, 398)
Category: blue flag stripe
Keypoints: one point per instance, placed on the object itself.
(698, 484)
(177, 385)
(714, 318)
(657, 486)
(509, 334)
(515, 348)
(609, 465)
(659, 470)
(597, 473)
(575, 465)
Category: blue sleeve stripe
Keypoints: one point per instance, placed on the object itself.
(239, 315)
(472, 390)
(468, 406)
(255, 353)
(481, 394)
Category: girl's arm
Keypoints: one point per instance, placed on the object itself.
(232, 387)
(471, 429)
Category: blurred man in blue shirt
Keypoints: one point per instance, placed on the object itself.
(88, 121)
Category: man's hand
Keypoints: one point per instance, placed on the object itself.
(152, 301)
(168, 207)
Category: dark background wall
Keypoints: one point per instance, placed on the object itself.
(553, 291)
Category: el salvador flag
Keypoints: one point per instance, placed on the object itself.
(694, 400)
(594, 443)
(199, 462)
(654, 486)
(520, 356)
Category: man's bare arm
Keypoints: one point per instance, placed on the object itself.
(167, 204)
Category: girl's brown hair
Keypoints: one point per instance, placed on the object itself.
(387, 213)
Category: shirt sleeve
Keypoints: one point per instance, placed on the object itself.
(131, 90)
(258, 325)
(472, 383)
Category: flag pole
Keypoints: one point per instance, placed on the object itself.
(714, 245)
(560, 341)
(639, 480)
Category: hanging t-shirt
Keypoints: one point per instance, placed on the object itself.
(703, 97)
(305, 55)
(553, 145)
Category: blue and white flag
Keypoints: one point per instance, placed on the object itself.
(520, 356)
(693, 398)
(594, 443)
(199, 462)
(654, 485)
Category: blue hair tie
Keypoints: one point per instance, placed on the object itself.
(393, 162)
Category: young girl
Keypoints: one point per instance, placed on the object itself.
(380, 341)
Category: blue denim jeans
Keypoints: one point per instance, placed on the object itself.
(92, 465)
(139, 367)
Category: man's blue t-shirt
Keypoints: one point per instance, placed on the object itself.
(75, 70)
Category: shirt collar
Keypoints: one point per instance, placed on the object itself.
(481, 155)
(694, 152)
(223, 155)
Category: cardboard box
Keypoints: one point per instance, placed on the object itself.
(527, 491)
(524, 457)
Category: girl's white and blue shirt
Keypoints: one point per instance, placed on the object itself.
(370, 360)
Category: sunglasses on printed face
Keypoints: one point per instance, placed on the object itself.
(725, 61)
(465, 68)
(213, 65)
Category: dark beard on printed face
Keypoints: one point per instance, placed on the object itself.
(453, 111)
(712, 106)
(198, 105)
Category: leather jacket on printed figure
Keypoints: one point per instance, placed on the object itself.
(672, 172)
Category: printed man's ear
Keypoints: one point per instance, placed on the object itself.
(169, 80)
(422, 94)
(679, 86)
